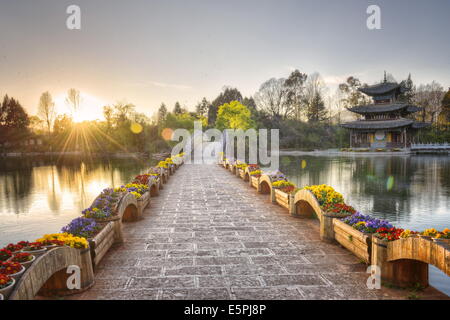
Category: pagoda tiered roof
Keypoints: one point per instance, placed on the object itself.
(378, 124)
(420, 125)
(380, 88)
(385, 107)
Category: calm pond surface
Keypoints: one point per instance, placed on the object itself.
(41, 196)
(412, 192)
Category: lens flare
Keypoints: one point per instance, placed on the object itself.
(390, 183)
(136, 128)
(303, 164)
(167, 133)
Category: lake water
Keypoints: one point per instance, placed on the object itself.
(412, 192)
(41, 196)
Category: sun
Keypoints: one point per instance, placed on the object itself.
(91, 107)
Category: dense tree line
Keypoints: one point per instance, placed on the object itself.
(299, 106)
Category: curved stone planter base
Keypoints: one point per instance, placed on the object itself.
(48, 275)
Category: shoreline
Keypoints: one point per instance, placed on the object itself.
(334, 152)
(75, 153)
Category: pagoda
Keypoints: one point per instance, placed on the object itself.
(387, 123)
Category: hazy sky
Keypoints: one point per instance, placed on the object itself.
(146, 52)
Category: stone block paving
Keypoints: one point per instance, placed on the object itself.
(209, 235)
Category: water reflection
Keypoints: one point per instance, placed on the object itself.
(410, 191)
(41, 195)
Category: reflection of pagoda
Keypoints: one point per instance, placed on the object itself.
(386, 123)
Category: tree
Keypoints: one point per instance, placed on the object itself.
(314, 90)
(429, 97)
(12, 114)
(73, 100)
(249, 103)
(226, 96)
(234, 115)
(162, 113)
(316, 110)
(177, 109)
(46, 109)
(37, 125)
(351, 95)
(273, 98)
(444, 117)
(108, 115)
(202, 108)
(407, 94)
(62, 124)
(14, 122)
(122, 111)
(295, 87)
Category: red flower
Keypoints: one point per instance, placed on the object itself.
(390, 234)
(288, 189)
(5, 254)
(14, 247)
(5, 280)
(22, 257)
(338, 208)
(141, 179)
(10, 267)
(23, 243)
(34, 246)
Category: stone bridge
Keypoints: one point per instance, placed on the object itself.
(209, 235)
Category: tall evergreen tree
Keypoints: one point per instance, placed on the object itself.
(316, 110)
(202, 108)
(177, 109)
(162, 113)
(14, 121)
(407, 94)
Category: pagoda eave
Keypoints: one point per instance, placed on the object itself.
(383, 108)
(378, 124)
(380, 88)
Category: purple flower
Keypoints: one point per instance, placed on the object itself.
(370, 224)
(81, 227)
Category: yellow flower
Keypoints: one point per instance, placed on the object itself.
(68, 239)
(430, 232)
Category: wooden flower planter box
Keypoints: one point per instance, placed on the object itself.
(254, 182)
(143, 202)
(100, 244)
(164, 176)
(241, 174)
(117, 227)
(282, 198)
(357, 242)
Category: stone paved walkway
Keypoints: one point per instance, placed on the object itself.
(210, 236)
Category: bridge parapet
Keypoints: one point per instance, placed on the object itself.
(48, 276)
(403, 262)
